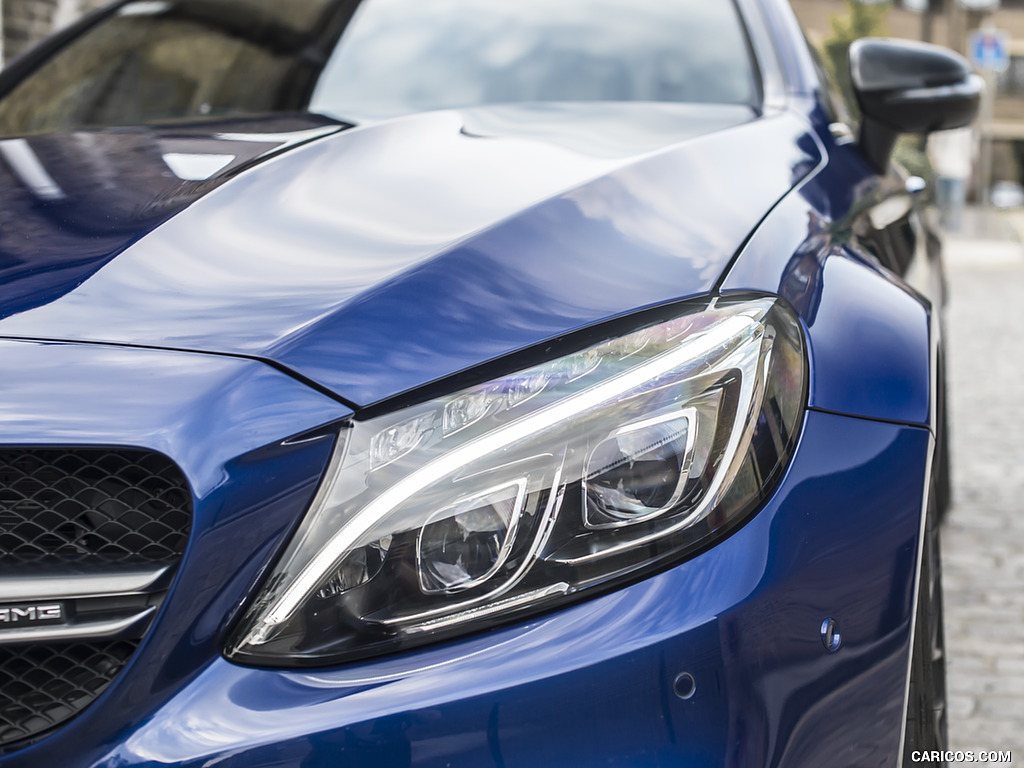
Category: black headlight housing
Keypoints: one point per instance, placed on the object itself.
(537, 488)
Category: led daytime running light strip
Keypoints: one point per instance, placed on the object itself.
(340, 543)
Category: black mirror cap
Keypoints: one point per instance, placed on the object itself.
(909, 87)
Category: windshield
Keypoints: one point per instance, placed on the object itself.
(411, 55)
(159, 60)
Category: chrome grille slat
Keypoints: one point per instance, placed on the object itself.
(132, 626)
(65, 583)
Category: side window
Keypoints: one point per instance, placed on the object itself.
(154, 61)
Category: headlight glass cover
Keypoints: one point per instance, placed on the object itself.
(537, 488)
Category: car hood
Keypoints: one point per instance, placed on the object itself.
(71, 203)
(390, 255)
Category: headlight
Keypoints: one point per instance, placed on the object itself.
(537, 488)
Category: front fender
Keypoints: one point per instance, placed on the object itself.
(870, 337)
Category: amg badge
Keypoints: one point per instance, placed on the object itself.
(40, 613)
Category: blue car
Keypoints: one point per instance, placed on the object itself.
(461, 383)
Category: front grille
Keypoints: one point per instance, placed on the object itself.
(79, 517)
(41, 687)
(89, 504)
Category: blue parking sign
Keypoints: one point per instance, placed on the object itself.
(989, 49)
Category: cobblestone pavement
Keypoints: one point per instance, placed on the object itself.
(983, 539)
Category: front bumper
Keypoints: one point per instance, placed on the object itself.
(585, 686)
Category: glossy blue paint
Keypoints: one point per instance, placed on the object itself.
(227, 423)
(391, 255)
(870, 347)
(71, 203)
(868, 333)
(571, 688)
(202, 410)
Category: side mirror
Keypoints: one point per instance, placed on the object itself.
(907, 87)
